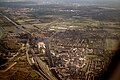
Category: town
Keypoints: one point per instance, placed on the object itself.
(62, 41)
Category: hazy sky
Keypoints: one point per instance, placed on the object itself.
(72, 1)
(61, 0)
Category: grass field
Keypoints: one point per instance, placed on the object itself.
(20, 21)
(111, 44)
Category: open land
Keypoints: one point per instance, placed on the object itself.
(79, 40)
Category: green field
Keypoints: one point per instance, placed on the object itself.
(20, 21)
(111, 44)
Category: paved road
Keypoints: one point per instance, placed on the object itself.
(51, 63)
(42, 68)
(17, 26)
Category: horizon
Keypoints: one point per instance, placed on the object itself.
(100, 3)
(59, 0)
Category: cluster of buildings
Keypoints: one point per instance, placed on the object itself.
(78, 55)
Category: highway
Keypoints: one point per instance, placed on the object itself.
(17, 26)
(39, 64)
(1, 32)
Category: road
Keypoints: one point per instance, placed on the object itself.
(40, 65)
(51, 63)
(0, 33)
(42, 68)
(17, 26)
